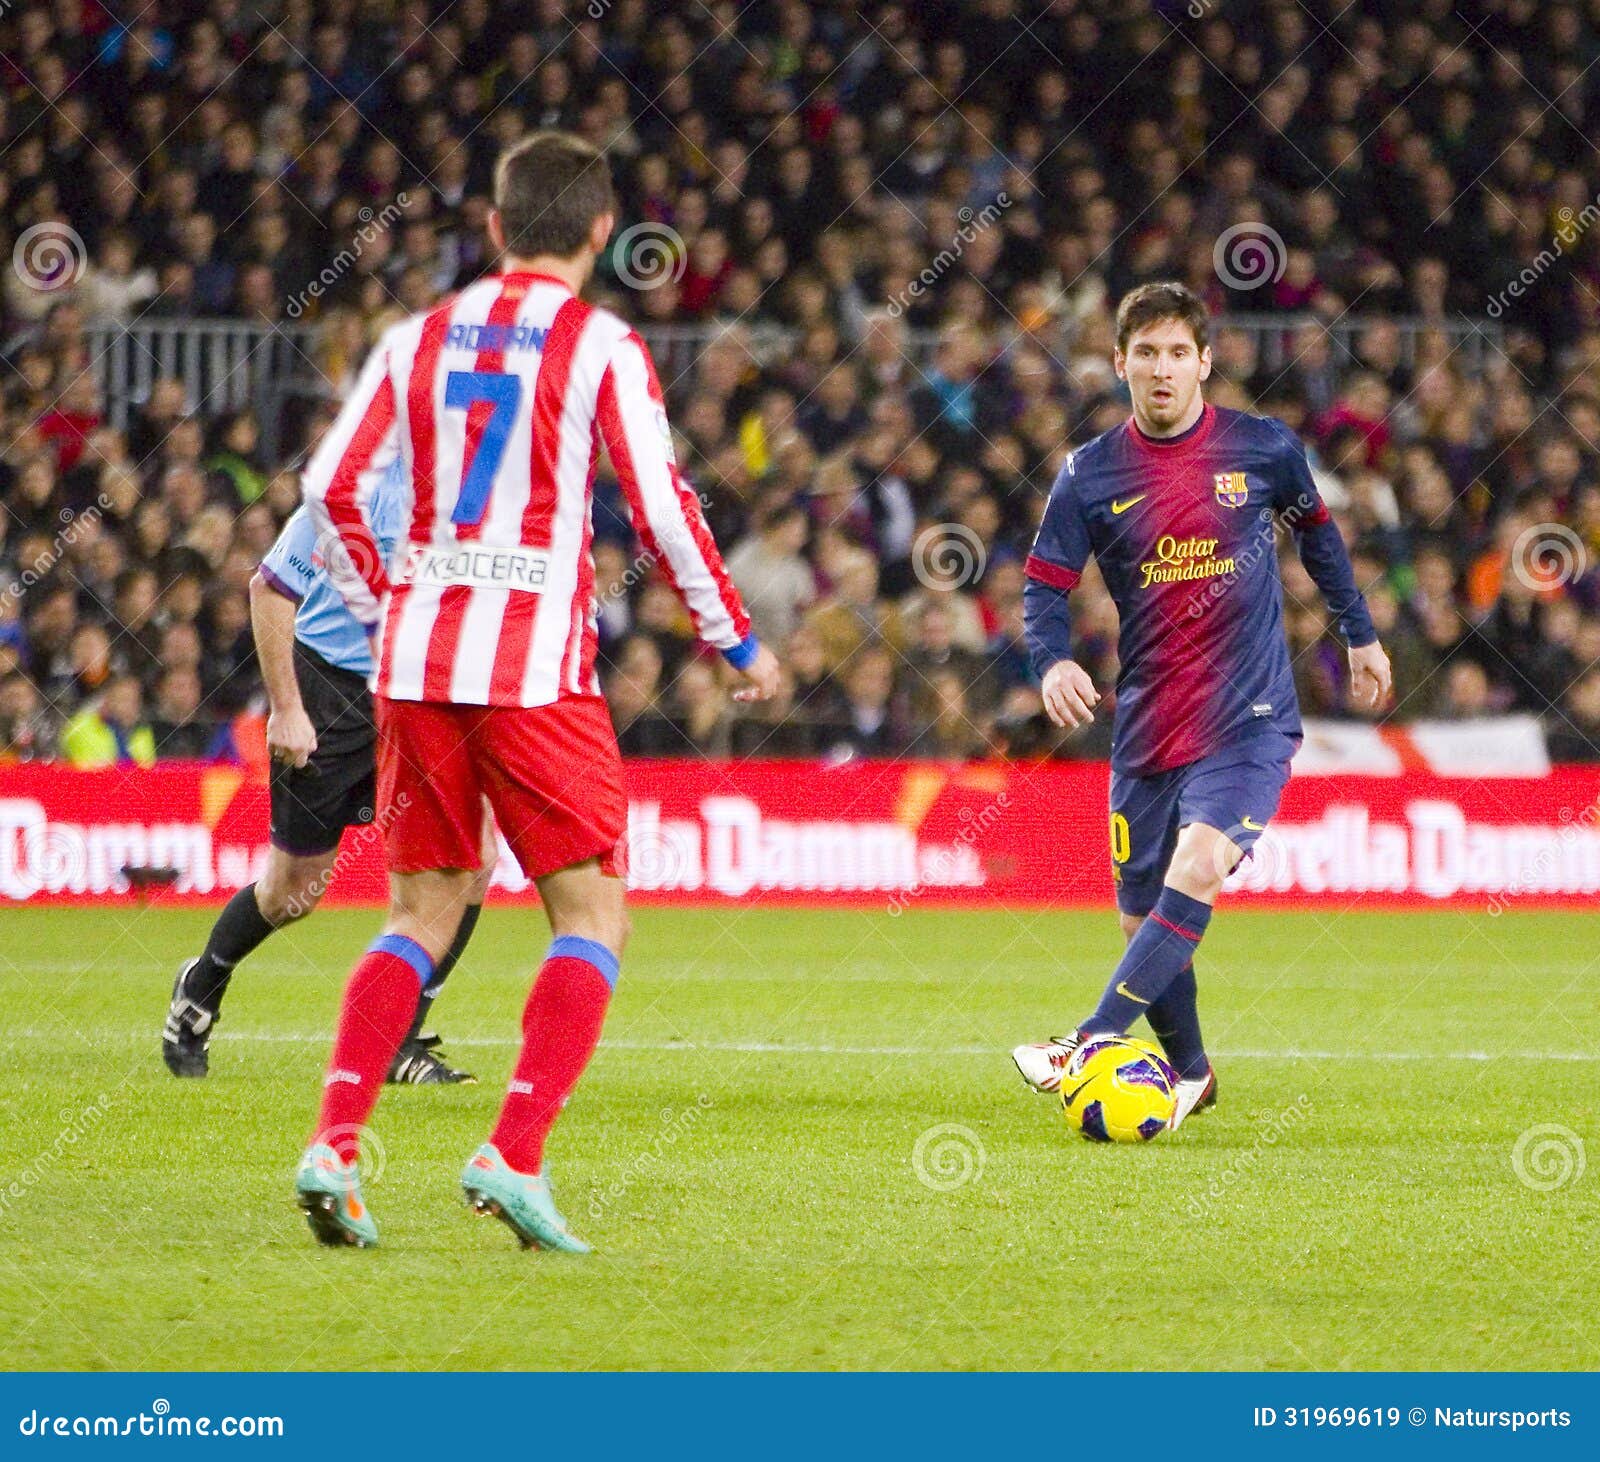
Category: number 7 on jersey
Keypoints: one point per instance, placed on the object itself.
(464, 390)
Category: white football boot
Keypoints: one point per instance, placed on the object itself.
(1042, 1062)
(1194, 1094)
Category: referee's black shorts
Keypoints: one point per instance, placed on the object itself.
(313, 805)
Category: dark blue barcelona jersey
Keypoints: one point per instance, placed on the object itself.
(1182, 531)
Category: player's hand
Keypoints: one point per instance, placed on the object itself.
(1069, 694)
(290, 738)
(760, 677)
(1371, 680)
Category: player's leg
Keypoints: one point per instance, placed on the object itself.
(1174, 1019)
(554, 778)
(1143, 835)
(431, 810)
(290, 887)
(561, 1025)
(1237, 789)
(310, 806)
(1224, 803)
(379, 1000)
(419, 1061)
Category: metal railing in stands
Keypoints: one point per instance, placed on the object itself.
(230, 364)
(225, 365)
(1473, 343)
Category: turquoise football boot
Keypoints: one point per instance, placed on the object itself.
(522, 1202)
(329, 1192)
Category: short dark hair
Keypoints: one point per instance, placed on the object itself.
(1166, 300)
(550, 188)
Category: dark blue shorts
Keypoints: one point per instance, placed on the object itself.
(1234, 790)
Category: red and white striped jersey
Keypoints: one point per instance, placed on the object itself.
(495, 404)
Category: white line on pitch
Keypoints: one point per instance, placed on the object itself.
(773, 1048)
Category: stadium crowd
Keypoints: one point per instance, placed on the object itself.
(902, 229)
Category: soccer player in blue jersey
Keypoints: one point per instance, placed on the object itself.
(315, 658)
(1179, 507)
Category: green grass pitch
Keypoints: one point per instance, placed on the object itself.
(803, 1145)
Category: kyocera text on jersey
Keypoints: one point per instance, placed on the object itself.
(495, 337)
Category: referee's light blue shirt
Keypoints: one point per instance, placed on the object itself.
(293, 566)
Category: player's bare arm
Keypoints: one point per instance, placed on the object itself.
(290, 737)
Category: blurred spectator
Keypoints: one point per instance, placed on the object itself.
(934, 654)
(870, 726)
(1574, 728)
(28, 731)
(774, 579)
(948, 731)
(632, 689)
(701, 707)
(110, 731)
(180, 726)
(853, 616)
(1466, 693)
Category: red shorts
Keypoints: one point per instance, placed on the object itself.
(552, 774)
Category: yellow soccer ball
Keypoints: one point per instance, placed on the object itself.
(1117, 1089)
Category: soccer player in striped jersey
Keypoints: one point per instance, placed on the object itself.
(497, 403)
(315, 659)
(1179, 507)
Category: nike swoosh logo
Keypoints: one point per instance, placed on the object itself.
(1255, 827)
(1068, 1098)
(1126, 993)
(1121, 505)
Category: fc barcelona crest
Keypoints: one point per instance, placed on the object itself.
(1231, 489)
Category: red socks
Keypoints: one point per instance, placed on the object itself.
(560, 1029)
(379, 1003)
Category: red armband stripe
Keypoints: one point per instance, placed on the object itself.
(1051, 573)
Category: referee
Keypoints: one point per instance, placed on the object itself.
(315, 658)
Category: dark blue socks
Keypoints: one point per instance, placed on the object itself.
(1155, 957)
(1175, 1019)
